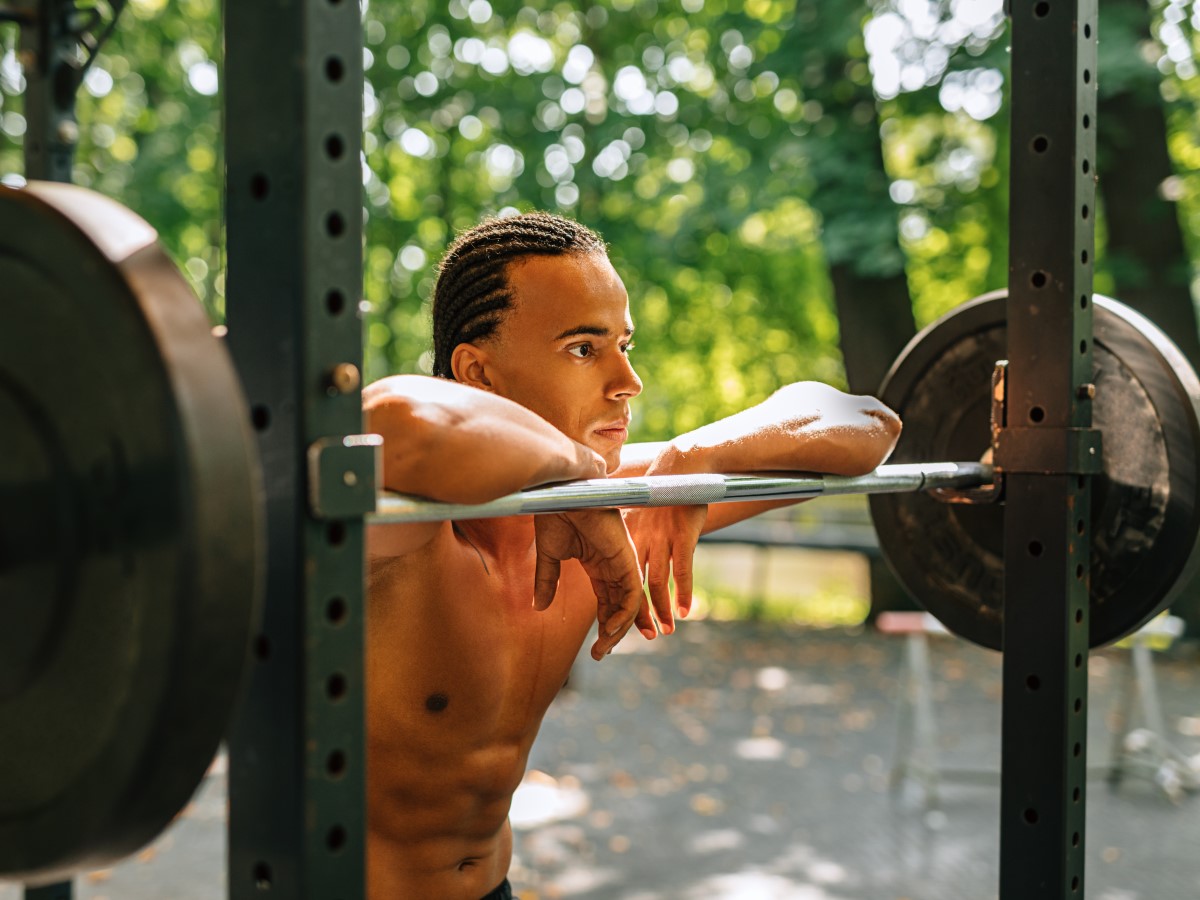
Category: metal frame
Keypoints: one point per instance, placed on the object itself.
(293, 124)
(1048, 484)
(59, 41)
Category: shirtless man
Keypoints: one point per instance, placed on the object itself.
(472, 626)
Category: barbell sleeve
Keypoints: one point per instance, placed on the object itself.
(682, 490)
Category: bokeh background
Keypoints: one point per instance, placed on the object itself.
(771, 174)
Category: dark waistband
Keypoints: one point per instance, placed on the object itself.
(502, 892)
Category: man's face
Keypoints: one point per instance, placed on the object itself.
(562, 350)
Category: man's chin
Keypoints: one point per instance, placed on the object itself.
(612, 458)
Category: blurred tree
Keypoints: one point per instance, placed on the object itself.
(849, 187)
(662, 126)
(149, 128)
(748, 160)
(1145, 253)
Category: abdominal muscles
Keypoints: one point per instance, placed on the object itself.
(455, 699)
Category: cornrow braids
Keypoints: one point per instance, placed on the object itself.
(472, 292)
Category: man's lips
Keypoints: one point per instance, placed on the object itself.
(614, 431)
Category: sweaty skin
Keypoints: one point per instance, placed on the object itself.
(472, 626)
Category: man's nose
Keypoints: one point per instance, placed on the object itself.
(625, 382)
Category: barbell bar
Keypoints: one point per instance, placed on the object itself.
(683, 490)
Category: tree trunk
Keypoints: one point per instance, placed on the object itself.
(1145, 251)
(859, 232)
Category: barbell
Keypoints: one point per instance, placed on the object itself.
(131, 514)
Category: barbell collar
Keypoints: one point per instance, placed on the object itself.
(683, 490)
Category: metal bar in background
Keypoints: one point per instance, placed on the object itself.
(1047, 530)
(48, 58)
(682, 490)
(293, 121)
(64, 890)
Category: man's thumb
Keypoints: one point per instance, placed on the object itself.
(545, 581)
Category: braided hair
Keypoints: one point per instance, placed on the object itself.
(472, 292)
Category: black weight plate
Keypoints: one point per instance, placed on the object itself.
(130, 534)
(1145, 517)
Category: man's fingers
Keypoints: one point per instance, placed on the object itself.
(644, 620)
(545, 580)
(658, 583)
(681, 567)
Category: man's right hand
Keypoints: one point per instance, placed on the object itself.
(600, 541)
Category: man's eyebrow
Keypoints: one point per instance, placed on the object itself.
(594, 330)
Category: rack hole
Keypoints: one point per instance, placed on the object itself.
(1033, 682)
(1031, 816)
(1076, 795)
(1087, 121)
(1086, 167)
(1075, 751)
(1083, 257)
(259, 186)
(335, 69)
(262, 876)
(1079, 571)
(1081, 482)
(260, 417)
(1082, 350)
(1079, 617)
(1083, 302)
(335, 225)
(336, 534)
(1079, 660)
(1087, 76)
(262, 648)
(335, 146)
(1087, 31)
(1035, 548)
(335, 610)
(1041, 10)
(335, 686)
(1036, 414)
(335, 302)
(1038, 279)
(1079, 526)
(335, 839)
(335, 764)
(1040, 144)
(1074, 882)
(1078, 705)
(1085, 211)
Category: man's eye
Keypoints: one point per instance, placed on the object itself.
(581, 350)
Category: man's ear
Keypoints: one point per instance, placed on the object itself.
(470, 365)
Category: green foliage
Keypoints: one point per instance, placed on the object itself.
(726, 149)
(662, 128)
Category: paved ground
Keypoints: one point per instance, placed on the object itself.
(751, 761)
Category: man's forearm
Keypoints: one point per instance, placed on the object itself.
(458, 444)
(802, 427)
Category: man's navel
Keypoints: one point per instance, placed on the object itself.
(437, 703)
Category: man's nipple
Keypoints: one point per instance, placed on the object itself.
(436, 703)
